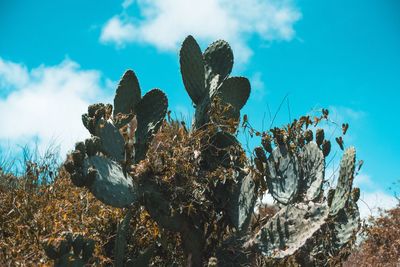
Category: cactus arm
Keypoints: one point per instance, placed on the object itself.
(313, 165)
(345, 182)
(283, 175)
(128, 94)
(192, 69)
(150, 113)
(218, 59)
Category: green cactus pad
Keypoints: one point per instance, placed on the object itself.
(127, 94)
(218, 58)
(235, 91)
(192, 69)
(290, 229)
(246, 201)
(111, 185)
(345, 181)
(150, 113)
(112, 142)
(283, 178)
(313, 165)
(347, 225)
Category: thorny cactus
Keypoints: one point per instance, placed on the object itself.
(310, 226)
(200, 183)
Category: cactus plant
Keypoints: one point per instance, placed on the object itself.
(200, 182)
(294, 231)
(205, 77)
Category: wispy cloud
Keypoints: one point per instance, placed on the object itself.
(257, 86)
(165, 23)
(12, 75)
(371, 203)
(372, 198)
(341, 113)
(46, 102)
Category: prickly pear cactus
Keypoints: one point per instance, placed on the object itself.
(99, 162)
(295, 175)
(205, 77)
(199, 182)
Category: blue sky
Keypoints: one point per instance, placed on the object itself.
(56, 57)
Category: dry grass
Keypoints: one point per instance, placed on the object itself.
(31, 213)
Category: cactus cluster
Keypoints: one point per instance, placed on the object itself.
(218, 100)
(294, 177)
(98, 163)
(220, 194)
(206, 79)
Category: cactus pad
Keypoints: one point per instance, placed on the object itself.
(290, 229)
(345, 181)
(127, 95)
(111, 185)
(192, 69)
(313, 166)
(235, 91)
(283, 178)
(347, 225)
(112, 142)
(219, 60)
(247, 199)
(150, 113)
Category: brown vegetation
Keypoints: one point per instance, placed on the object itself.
(33, 214)
(382, 244)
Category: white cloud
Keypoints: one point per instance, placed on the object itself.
(257, 86)
(371, 203)
(12, 75)
(47, 103)
(165, 23)
(364, 181)
(341, 113)
(118, 31)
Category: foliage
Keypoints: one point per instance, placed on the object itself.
(382, 244)
(36, 216)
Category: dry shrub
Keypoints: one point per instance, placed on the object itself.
(31, 212)
(382, 244)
